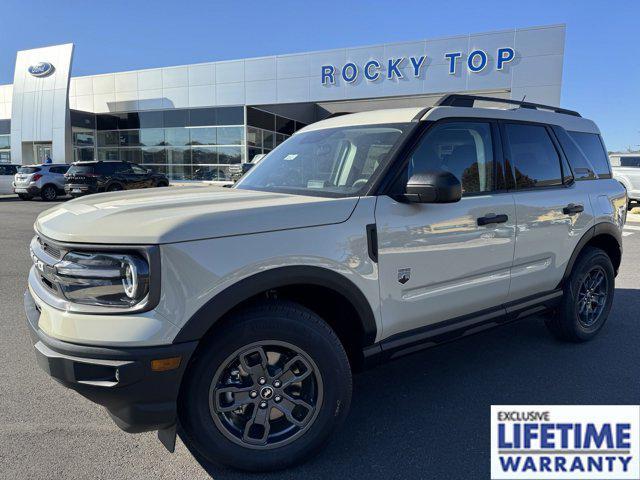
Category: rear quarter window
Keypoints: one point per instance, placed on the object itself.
(580, 164)
(593, 148)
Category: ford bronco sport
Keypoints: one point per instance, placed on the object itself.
(240, 313)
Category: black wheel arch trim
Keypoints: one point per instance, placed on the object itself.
(222, 303)
(601, 228)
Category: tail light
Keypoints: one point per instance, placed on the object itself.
(36, 177)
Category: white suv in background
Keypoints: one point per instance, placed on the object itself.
(45, 181)
(242, 312)
(626, 169)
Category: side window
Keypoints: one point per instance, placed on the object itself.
(582, 167)
(593, 148)
(533, 156)
(629, 161)
(462, 148)
(138, 170)
(106, 168)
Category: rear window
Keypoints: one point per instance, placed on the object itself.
(582, 167)
(29, 170)
(80, 169)
(593, 148)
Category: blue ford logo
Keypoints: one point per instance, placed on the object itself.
(41, 69)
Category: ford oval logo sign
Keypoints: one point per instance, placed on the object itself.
(41, 69)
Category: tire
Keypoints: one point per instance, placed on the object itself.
(49, 193)
(300, 334)
(114, 187)
(24, 196)
(568, 322)
(162, 184)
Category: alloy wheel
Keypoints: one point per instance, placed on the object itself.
(266, 395)
(592, 296)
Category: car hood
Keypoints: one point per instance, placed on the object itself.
(178, 214)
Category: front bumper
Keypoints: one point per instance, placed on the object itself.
(121, 379)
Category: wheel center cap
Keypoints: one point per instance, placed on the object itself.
(266, 393)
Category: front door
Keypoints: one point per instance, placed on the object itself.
(41, 151)
(442, 261)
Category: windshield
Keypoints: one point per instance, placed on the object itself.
(336, 162)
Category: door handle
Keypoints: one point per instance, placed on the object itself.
(572, 209)
(492, 218)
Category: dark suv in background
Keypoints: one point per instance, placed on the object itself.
(110, 176)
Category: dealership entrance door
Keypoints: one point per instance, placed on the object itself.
(41, 151)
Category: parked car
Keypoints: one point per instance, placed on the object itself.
(45, 181)
(6, 178)
(626, 169)
(242, 312)
(110, 176)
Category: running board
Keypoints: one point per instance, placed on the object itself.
(448, 330)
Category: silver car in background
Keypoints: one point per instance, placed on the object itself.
(45, 181)
(626, 169)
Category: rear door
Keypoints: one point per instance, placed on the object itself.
(443, 261)
(553, 211)
(141, 176)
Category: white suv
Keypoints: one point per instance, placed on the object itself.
(241, 313)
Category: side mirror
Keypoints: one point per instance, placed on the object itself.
(433, 187)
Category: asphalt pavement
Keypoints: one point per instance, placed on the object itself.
(423, 416)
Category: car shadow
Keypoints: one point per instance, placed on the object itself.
(427, 415)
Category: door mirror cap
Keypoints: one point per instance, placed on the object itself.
(433, 187)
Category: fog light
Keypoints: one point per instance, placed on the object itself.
(164, 364)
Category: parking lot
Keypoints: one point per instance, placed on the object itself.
(412, 418)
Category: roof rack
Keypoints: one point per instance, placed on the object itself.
(458, 100)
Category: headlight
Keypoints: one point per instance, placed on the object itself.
(103, 279)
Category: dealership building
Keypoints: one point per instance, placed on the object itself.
(193, 121)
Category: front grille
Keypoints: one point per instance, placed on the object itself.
(52, 250)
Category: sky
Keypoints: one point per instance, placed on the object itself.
(601, 76)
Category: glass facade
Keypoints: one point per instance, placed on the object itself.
(5, 141)
(184, 144)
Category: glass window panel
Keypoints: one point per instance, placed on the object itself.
(82, 119)
(230, 116)
(151, 137)
(203, 136)
(230, 135)
(204, 155)
(5, 141)
(82, 138)
(128, 121)
(202, 117)
(5, 156)
(229, 155)
(83, 154)
(130, 138)
(179, 172)
(133, 155)
(176, 118)
(210, 172)
(108, 139)
(106, 122)
(178, 155)
(261, 119)
(176, 136)
(267, 139)
(151, 119)
(533, 156)
(284, 125)
(280, 138)
(254, 137)
(154, 155)
(108, 154)
(5, 127)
